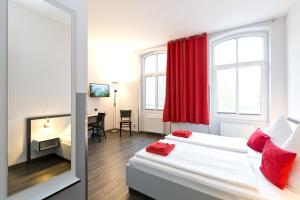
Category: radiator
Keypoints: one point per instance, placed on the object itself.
(236, 129)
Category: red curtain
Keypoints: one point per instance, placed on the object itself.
(187, 82)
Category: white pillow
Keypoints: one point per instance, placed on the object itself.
(279, 131)
(293, 145)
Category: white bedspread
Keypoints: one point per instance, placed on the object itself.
(226, 166)
(66, 139)
(215, 141)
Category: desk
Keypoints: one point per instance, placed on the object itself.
(92, 120)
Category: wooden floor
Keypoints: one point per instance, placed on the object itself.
(106, 165)
(26, 175)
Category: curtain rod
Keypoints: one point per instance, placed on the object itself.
(244, 26)
(186, 38)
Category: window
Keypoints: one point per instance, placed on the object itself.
(154, 75)
(240, 75)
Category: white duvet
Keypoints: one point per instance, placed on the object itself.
(214, 141)
(226, 166)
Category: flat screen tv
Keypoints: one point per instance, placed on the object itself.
(99, 90)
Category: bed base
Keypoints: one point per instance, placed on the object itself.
(64, 151)
(159, 188)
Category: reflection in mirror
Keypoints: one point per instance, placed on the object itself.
(39, 86)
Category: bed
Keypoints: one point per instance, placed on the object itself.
(65, 145)
(154, 176)
(220, 142)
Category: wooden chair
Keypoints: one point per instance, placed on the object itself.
(125, 120)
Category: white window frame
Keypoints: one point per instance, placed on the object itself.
(264, 115)
(155, 74)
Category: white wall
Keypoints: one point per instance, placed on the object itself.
(116, 62)
(277, 71)
(36, 60)
(293, 49)
(108, 63)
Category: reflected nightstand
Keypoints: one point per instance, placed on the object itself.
(44, 144)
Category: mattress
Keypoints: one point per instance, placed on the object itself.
(65, 139)
(215, 141)
(220, 189)
(226, 166)
(219, 142)
(65, 146)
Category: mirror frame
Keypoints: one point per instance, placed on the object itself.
(66, 179)
(72, 14)
(3, 93)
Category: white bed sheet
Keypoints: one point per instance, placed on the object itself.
(65, 139)
(254, 154)
(219, 189)
(226, 166)
(214, 141)
(197, 182)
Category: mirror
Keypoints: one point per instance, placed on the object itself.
(40, 92)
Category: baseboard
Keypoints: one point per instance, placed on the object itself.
(123, 130)
(140, 132)
(153, 133)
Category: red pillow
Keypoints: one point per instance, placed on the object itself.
(258, 140)
(277, 164)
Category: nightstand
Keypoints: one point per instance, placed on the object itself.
(43, 144)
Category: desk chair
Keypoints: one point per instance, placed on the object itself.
(98, 126)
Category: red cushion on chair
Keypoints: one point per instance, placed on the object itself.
(277, 164)
(258, 140)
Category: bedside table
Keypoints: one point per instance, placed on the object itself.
(43, 144)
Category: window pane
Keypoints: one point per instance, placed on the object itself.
(225, 52)
(251, 49)
(150, 64)
(162, 62)
(249, 90)
(150, 92)
(161, 87)
(226, 90)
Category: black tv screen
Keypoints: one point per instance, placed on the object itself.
(99, 90)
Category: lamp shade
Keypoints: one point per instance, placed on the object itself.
(115, 85)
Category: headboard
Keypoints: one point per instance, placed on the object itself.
(29, 122)
(293, 120)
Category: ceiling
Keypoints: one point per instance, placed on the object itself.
(140, 24)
